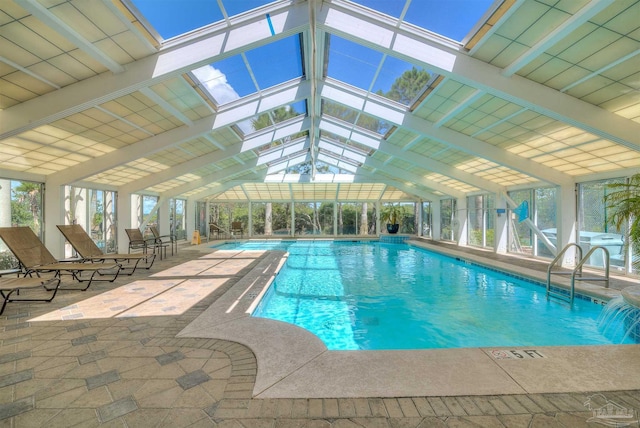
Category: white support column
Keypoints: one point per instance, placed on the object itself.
(190, 223)
(54, 215)
(293, 219)
(462, 221)
(567, 224)
(436, 224)
(250, 220)
(5, 203)
(164, 216)
(377, 219)
(501, 234)
(335, 218)
(127, 209)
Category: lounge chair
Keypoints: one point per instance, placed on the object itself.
(9, 286)
(89, 251)
(165, 239)
(138, 242)
(214, 229)
(236, 227)
(35, 259)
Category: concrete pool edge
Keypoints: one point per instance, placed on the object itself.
(294, 363)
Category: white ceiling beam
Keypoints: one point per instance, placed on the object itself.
(421, 193)
(10, 174)
(414, 178)
(217, 42)
(355, 98)
(350, 21)
(284, 129)
(420, 160)
(150, 93)
(27, 71)
(223, 175)
(249, 107)
(59, 26)
(458, 108)
(583, 15)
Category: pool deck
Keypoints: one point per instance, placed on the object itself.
(174, 346)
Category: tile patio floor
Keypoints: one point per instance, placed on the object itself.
(110, 358)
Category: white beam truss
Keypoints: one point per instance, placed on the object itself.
(352, 22)
(217, 42)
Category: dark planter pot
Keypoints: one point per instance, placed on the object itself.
(393, 228)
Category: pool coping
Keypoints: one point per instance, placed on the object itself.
(294, 363)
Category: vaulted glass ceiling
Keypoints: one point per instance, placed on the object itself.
(417, 99)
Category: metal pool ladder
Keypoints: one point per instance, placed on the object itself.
(577, 271)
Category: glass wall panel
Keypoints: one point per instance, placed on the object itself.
(239, 212)
(544, 216)
(447, 215)
(271, 218)
(521, 235)
(371, 219)
(313, 218)
(258, 217)
(280, 219)
(149, 214)
(475, 210)
(542, 212)
(94, 210)
(409, 217)
(427, 222)
(489, 220)
(177, 216)
(594, 228)
(20, 205)
(348, 217)
(201, 218)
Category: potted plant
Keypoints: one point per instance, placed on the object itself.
(392, 214)
(624, 203)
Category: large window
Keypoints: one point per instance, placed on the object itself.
(481, 230)
(20, 205)
(313, 218)
(427, 221)
(541, 207)
(594, 228)
(356, 218)
(95, 210)
(177, 216)
(224, 213)
(448, 222)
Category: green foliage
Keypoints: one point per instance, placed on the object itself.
(624, 205)
(407, 87)
(25, 205)
(392, 213)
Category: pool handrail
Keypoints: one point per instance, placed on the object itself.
(577, 270)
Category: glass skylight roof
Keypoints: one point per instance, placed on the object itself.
(256, 70)
(442, 17)
(188, 15)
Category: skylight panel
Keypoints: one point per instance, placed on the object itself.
(352, 63)
(391, 8)
(395, 70)
(173, 18)
(235, 7)
(276, 62)
(453, 19)
(226, 80)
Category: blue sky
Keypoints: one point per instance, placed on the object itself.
(281, 61)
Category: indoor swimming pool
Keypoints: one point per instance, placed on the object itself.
(378, 296)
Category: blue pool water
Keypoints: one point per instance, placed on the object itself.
(393, 296)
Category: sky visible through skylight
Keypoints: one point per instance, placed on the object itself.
(275, 63)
